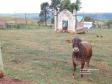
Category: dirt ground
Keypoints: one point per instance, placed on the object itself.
(8, 80)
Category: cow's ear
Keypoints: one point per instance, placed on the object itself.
(72, 40)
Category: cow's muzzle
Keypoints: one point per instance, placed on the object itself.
(75, 49)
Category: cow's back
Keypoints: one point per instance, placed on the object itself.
(88, 49)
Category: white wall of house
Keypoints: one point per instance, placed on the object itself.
(67, 16)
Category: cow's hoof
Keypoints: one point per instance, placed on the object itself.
(74, 76)
(81, 76)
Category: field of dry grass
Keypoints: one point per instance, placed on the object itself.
(44, 57)
(16, 20)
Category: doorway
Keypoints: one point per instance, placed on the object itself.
(65, 25)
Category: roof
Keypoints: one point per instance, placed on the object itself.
(79, 18)
(66, 12)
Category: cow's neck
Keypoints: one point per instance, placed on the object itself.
(80, 54)
(81, 50)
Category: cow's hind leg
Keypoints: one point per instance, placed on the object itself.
(89, 57)
(88, 62)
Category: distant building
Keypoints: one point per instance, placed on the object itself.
(88, 25)
(2, 24)
(65, 21)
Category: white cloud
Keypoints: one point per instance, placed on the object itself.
(96, 6)
(12, 6)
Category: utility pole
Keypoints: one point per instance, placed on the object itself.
(26, 18)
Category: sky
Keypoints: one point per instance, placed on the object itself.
(33, 6)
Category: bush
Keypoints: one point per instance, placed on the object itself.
(109, 23)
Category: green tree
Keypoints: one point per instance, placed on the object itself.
(62, 4)
(77, 8)
(71, 7)
(77, 5)
(66, 4)
(109, 23)
(88, 18)
(44, 12)
(55, 4)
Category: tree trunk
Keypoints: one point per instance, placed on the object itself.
(76, 21)
(45, 18)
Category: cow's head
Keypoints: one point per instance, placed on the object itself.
(76, 44)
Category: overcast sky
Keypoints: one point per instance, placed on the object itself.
(33, 6)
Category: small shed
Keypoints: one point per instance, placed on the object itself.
(65, 21)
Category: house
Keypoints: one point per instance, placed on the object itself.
(2, 24)
(64, 21)
(88, 25)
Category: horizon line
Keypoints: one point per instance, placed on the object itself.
(38, 13)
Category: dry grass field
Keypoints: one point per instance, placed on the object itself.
(44, 57)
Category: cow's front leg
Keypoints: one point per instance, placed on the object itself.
(82, 66)
(74, 66)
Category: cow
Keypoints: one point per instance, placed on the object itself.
(82, 53)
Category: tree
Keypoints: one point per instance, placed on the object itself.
(65, 4)
(41, 17)
(77, 5)
(109, 23)
(62, 4)
(88, 18)
(77, 8)
(55, 4)
(44, 12)
(72, 7)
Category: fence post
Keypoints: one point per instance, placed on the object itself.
(1, 61)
